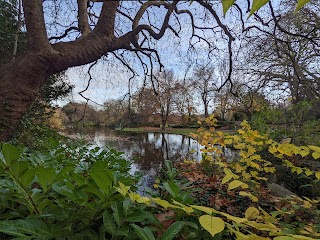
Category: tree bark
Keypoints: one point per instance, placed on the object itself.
(22, 78)
(20, 81)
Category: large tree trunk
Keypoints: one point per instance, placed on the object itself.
(20, 81)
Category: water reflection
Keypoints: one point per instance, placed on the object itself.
(148, 150)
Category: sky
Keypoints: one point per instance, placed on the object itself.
(110, 77)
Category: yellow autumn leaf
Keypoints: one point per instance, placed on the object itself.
(251, 213)
(252, 197)
(133, 196)
(314, 148)
(229, 175)
(307, 204)
(238, 167)
(316, 155)
(256, 237)
(144, 200)
(213, 225)
(183, 207)
(123, 189)
(240, 146)
(304, 151)
(317, 175)
(162, 203)
(299, 170)
(284, 238)
(228, 141)
(235, 184)
(203, 209)
(233, 218)
(308, 172)
(300, 237)
(241, 131)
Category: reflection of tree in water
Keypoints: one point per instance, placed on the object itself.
(147, 154)
(148, 150)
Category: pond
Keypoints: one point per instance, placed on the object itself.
(147, 150)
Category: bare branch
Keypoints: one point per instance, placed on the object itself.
(65, 33)
(36, 29)
(83, 22)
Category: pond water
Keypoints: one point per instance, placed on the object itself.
(147, 150)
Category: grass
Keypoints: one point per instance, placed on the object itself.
(182, 131)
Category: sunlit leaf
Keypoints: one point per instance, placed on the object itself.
(203, 209)
(316, 155)
(226, 4)
(162, 203)
(284, 238)
(308, 172)
(251, 213)
(301, 3)
(252, 197)
(123, 189)
(235, 184)
(256, 5)
(213, 225)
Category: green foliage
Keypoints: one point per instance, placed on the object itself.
(72, 191)
(8, 28)
(58, 192)
(296, 122)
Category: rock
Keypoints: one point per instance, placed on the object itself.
(285, 140)
(279, 190)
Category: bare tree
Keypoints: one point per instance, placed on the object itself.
(97, 28)
(184, 102)
(204, 82)
(285, 54)
(83, 31)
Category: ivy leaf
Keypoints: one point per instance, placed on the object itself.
(300, 4)
(256, 5)
(213, 225)
(226, 4)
